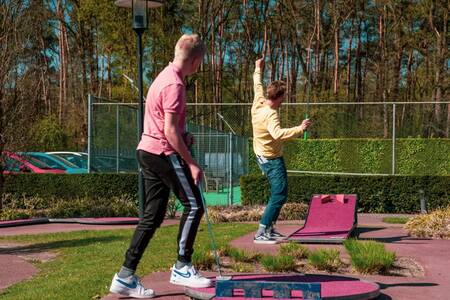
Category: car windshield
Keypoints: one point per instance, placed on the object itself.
(36, 162)
(79, 161)
(65, 162)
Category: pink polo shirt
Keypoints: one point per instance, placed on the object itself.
(167, 94)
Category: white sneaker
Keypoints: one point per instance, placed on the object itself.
(130, 286)
(188, 276)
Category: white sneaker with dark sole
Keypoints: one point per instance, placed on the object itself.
(264, 239)
(188, 276)
(131, 287)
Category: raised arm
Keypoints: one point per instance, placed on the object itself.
(257, 80)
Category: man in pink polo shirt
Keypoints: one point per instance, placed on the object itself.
(167, 164)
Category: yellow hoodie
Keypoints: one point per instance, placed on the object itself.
(268, 136)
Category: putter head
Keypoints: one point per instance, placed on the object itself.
(222, 278)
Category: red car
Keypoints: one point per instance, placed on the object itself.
(14, 164)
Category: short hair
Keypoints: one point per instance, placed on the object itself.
(189, 46)
(276, 89)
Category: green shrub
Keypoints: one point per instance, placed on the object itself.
(295, 250)
(31, 207)
(281, 263)
(414, 156)
(376, 194)
(433, 225)
(173, 206)
(369, 257)
(395, 220)
(325, 259)
(203, 259)
(71, 186)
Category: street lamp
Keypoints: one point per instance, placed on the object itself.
(140, 24)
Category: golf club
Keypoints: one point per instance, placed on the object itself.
(212, 238)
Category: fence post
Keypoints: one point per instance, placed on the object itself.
(393, 139)
(230, 198)
(89, 144)
(117, 138)
(423, 202)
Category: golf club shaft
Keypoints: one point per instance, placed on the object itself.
(210, 231)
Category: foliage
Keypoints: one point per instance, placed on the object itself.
(31, 207)
(68, 186)
(433, 225)
(289, 211)
(382, 52)
(413, 156)
(295, 250)
(240, 267)
(203, 259)
(240, 255)
(280, 263)
(395, 220)
(173, 206)
(376, 194)
(369, 257)
(325, 259)
(48, 134)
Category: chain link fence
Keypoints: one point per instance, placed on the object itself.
(113, 138)
(362, 138)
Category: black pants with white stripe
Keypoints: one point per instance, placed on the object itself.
(162, 174)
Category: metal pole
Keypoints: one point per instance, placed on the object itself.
(423, 202)
(305, 133)
(141, 187)
(393, 139)
(117, 139)
(89, 145)
(230, 197)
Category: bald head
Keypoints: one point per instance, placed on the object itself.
(189, 46)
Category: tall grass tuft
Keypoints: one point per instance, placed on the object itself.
(369, 257)
(240, 255)
(295, 250)
(325, 259)
(203, 259)
(281, 263)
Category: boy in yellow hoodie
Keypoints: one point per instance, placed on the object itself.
(268, 139)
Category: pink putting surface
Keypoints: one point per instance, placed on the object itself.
(332, 287)
(329, 216)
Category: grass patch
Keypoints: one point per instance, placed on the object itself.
(395, 220)
(295, 250)
(369, 257)
(203, 259)
(281, 263)
(325, 259)
(241, 267)
(87, 260)
(240, 255)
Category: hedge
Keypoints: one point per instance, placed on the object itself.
(71, 186)
(414, 156)
(376, 194)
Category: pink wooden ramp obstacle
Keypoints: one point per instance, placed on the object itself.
(330, 219)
